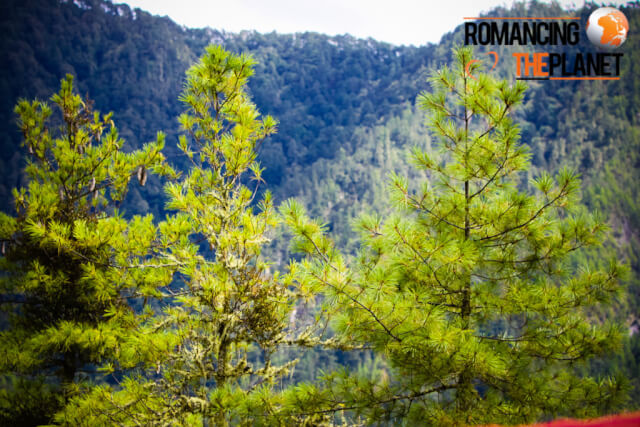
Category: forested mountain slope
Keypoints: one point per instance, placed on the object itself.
(319, 88)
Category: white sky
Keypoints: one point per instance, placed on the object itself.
(395, 21)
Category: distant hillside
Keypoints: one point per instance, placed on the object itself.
(319, 88)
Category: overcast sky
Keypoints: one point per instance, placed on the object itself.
(395, 21)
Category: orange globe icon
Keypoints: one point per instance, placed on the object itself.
(607, 27)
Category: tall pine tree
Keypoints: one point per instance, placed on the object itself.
(469, 290)
(57, 283)
(207, 355)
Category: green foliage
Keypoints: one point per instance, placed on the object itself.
(27, 401)
(57, 283)
(226, 304)
(467, 289)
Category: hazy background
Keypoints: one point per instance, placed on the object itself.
(408, 22)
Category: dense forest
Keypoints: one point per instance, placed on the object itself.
(269, 231)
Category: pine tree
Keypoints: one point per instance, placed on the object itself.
(57, 282)
(469, 290)
(208, 353)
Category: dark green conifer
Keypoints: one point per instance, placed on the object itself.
(58, 284)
